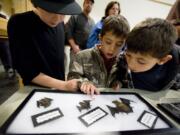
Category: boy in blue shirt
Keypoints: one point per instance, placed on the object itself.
(151, 60)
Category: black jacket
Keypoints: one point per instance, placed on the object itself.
(169, 79)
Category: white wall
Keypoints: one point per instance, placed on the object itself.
(134, 10)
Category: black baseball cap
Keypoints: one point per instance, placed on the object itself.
(66, 7)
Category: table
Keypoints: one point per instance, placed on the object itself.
(10, 105)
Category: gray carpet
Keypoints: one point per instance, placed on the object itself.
(7, 86)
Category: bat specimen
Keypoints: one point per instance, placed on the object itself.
(85, 104)
(121, 106)
(45, 102)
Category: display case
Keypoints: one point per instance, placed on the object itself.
(57, 112)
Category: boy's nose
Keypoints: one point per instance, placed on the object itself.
(112, 49)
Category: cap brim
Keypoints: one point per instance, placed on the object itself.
(57, 7)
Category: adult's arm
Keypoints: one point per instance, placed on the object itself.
(47, 81)
(69, 27)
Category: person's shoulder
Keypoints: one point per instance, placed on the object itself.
(24, 14)
(21, 16)
(80, 16)
(85, 53)
(99, 24)
(72, 19)
(74, 16)
(20, 21)
(175, 55)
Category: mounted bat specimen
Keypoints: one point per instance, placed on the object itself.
(85, 104)
(121, 106)
(45, 102)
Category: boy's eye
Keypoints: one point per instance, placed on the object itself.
(119, 44)
(108, 42)
(141, 62)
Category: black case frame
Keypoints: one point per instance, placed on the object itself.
(172, 130)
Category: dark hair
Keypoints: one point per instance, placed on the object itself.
(109, 6)
(90, 0)
(154, 37)
(117, 24)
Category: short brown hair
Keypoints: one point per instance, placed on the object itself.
(117, 24)
(154, 37)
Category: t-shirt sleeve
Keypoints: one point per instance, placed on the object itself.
(22, 49)
(70, 26)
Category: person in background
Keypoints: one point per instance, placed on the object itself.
(174, 18)
(151, 60)
(174, 12)
(113, 8)
(5, 54)
(37, 43)
(3, 14)
(93, 66)
(79, 26)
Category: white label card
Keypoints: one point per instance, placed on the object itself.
(92, 116)
(148, 119)
(47, 116)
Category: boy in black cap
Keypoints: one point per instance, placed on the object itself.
(37, 43)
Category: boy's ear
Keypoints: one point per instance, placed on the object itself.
(164, 59)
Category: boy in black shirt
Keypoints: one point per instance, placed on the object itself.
(37, 43)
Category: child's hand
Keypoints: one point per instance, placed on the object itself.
(71, 85)
(89, 88)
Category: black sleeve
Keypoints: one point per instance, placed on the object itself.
(24, 56)
(70, 26)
